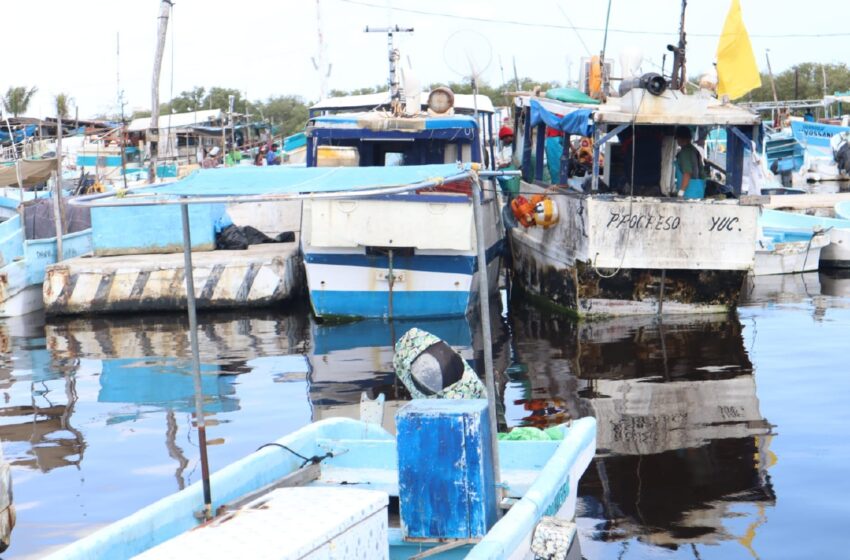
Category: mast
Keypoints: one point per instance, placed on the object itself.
(678, 79)
(319, 62)
(394, 56)
(153, 131)
(121, 144)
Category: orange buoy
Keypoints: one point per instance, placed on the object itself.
(523, 211)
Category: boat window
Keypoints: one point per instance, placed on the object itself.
(393, 159)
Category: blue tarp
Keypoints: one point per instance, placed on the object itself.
(20, 134)
(575, 122)
(250, 180)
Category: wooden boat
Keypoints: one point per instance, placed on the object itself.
(835, 254)
(633, 249)
(788, 251)
(345, 457)
(23, 263)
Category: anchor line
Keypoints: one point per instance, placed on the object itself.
(314, 460)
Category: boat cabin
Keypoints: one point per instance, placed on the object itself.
(360, 131)
(627, 145)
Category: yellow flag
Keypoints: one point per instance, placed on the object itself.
(737, 72)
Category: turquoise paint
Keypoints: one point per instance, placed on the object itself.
(147, 229)
(11, 240)
(174, 514)
(445, 469)
(98, 161)
(40, 253)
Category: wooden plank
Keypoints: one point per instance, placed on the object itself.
(804, 201)
(300, 477)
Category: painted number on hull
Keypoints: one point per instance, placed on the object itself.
(384, 276)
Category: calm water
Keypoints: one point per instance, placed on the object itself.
(719, 437)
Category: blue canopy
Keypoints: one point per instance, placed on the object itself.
(246, 180)
(20, 134)
(575, 122)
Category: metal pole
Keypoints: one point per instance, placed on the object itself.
(57, 191)
(196, 360)
(484, 308)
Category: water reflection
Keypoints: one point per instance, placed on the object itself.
(351, 359)
(681, 440)
(38, 418)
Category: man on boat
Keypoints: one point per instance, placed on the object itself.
(690, 176)
(273, 157)
(506, 139)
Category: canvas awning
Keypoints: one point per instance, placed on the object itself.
(33, 172)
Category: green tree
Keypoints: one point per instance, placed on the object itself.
(290, 112)
(192, 100)
(804, 81)
(17, 99)
(218, 98)
(63, 105)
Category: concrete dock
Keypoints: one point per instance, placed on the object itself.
(260, 276)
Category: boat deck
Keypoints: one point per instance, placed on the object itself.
(259, 276)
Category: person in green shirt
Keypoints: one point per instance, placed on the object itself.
(688, 161)
(233, 157)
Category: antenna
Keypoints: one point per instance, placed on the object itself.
(394, 56)
(678, 78)
(319, 61)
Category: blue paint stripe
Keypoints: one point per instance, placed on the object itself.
(376, 304)
(427, 263)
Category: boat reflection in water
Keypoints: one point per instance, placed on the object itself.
(354, 359)
(682, 447)
(36, 426)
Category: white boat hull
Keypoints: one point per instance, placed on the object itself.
(790, 258)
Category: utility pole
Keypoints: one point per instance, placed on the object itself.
(395, 88)
(57, 187)
(153, 132)
(320, 62)
(678, 78)
(121, 108)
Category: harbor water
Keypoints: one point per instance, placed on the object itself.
(719, 436)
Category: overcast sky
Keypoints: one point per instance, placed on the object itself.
(266, 48)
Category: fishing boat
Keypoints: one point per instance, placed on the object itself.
(788, 251)
(27, 247)
(349, 457)
(407, 255)
(835, 254)
(624, 246)
(820, 143)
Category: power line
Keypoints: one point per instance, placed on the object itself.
(593, 29)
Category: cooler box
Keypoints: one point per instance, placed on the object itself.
(445, 469)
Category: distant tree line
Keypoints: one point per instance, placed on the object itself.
(290, 112)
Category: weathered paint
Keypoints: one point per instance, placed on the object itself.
(130, 230)
(259, 276)
(445, 469)
(607, 254)
(790, 257)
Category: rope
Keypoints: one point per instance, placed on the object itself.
(314, 460)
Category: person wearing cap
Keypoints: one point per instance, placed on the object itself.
(506, 139)
(430, 368)
(690, 176)
(273, 157)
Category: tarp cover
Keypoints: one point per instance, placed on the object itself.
(570, 95)
(574, 122)
(33, 172)
(250, 180)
